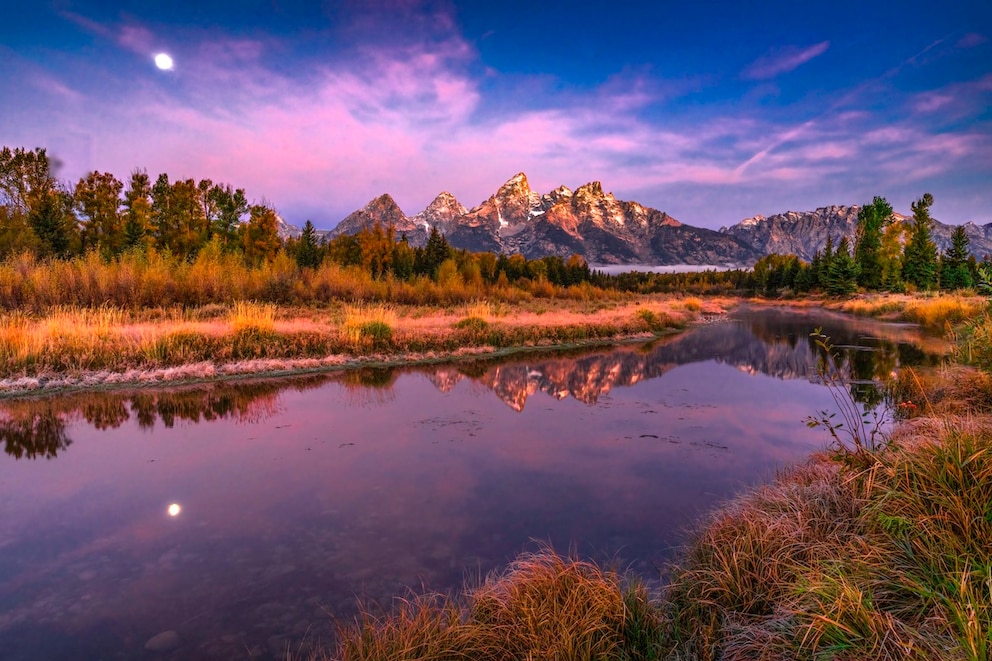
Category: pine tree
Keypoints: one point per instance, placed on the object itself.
(955, 273)
(842, 274)
(919, 266)
(826, 259)
(51, 218)
(308, 253)
(436, 253)
(872, 219)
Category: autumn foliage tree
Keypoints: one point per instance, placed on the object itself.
(260, 235)
(97, 202)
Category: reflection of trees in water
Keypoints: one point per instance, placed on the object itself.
(771, 341)
(37, 434)
(368, 387)
(38, 428)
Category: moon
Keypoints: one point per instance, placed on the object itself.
(163, 61)
(174, 509)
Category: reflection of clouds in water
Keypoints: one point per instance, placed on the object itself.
(363, 484)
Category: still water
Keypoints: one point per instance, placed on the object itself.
(245, 517)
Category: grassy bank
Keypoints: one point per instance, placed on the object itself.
(938, 312)
(83, 345)
(877, 551)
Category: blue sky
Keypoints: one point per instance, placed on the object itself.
(711, 111)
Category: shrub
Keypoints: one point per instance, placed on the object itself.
(369, 326)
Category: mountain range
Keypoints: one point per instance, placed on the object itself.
(604, 230)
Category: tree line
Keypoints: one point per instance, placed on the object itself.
(51, 219)
(887, 255)
(101, 214)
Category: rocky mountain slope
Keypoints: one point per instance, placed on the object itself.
(588, 222)
(604, 230)
(803, 233)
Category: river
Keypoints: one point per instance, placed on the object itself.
(246, 516)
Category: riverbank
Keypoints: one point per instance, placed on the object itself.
(74, 348)
(876, 549)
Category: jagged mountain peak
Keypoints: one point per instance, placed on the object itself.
(592, 189)
(382, 210)
(441, 213)
(588, 221)
(384, 202)
(517, 185)
(445, 202)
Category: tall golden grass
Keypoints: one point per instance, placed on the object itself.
(153, 279)
(937, 312)
(543, 606)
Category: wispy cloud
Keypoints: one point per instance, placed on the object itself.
(783, 60)
(414, 119)
(971, 40)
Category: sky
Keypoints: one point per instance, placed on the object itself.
(710, 111)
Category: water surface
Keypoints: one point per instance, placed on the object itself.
(296, 495)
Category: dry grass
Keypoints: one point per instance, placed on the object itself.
(249, 316)
(543, 606)
(67, 340)
(893, 561)
(932, 312)
(369, 326)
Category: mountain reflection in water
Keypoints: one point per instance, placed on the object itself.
(240, 514)
(771, 341)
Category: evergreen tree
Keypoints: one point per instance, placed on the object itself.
(955, 273)
(826, 259)
(872, 219)
(436, 253)
(308, 252)
(842, 274)
(803, 282)
(812, 279)
(919, 267)
(53, 223)
(404, 259)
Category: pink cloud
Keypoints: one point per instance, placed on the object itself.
(412, 121)
(932, 101)
(784, 61)
(971, 40)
